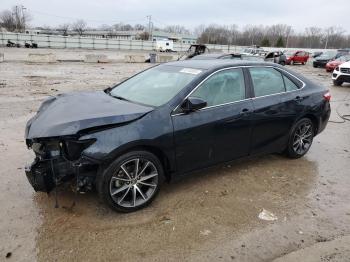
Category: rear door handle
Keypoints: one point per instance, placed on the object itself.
(245, 111)
(298, 98)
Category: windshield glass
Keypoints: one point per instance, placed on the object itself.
(328, 54)
(344, 58)
(155, 86)
(289, 52)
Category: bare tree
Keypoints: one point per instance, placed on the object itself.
(15, 19)
(123, 27)
(143, 36)
(7, 20)
(64, 28)
(139, 27)
(176, 29)
(79, 26)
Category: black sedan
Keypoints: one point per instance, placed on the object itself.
(171, 119)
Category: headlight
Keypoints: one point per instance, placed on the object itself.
(337, 68)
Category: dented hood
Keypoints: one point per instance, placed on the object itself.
(67, 114)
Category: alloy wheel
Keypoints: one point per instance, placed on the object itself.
(302, 138)
(134, 183)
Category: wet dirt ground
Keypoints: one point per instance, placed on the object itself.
(208, 216)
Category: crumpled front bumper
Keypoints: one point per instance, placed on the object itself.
(40, 176)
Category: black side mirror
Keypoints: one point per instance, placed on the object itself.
(192, 104)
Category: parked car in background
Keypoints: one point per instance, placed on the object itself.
(254, 50)
(331, 65)
(296, 57)
(316, 54)
(171, 120)
(341, 74)
(233, 56)
(194, 50)
(277, 57)
(165, 45)
(327, 56)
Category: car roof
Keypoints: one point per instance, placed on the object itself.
(217, 63)
(208, 56)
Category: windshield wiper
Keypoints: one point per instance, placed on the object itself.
(119, 97)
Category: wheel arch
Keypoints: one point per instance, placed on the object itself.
(315, 121)
(159, 153)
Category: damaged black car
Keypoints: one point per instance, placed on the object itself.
(171, 120)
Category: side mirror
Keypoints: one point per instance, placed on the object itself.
(193, 104)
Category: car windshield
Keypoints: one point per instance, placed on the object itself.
(328, 54)
(289, 52)
(344, 58)
(155, 86)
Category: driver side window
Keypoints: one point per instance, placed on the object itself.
(221, 88)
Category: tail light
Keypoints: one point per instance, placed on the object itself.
(327, 96)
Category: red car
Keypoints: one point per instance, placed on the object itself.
(331, 65)
(294, 57)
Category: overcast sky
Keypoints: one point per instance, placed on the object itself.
(297, 13)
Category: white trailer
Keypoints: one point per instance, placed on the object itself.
(164, 45)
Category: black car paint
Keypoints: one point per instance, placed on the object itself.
(188, 141)
(68, 114)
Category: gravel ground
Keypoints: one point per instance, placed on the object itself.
(209, 216)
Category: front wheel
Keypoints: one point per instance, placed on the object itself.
(300, 138)
(337, 82)
(131, 182)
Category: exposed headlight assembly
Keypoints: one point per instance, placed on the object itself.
(72, 149)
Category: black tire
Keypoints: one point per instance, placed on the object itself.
(303, 63)
(283, 63)
(337, 82)
(315, 66)
(299, 143)
(104, 182)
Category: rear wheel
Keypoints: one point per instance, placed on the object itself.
(300, 138)
(337, 82)
(303, 63)
(131, 182)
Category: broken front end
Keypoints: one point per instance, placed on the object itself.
(58, 161)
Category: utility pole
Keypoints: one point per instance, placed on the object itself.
(16, 17)
(149, 17)
(23, 18)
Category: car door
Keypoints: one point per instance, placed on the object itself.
(297, 57)
(268, 130)
(294, 102)
(220, 131)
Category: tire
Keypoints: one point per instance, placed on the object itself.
(118, 187)
(303, 63)
(315, 66)
(300, 138)
(282, 63)
(337, 82)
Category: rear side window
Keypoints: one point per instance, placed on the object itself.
(290, 86)
(266, 81)
(223, 87)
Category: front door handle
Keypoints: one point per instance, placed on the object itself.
(243, 113)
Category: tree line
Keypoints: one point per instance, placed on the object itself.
(278, 35)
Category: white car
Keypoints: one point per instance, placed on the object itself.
(341, 74)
